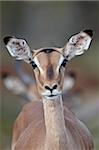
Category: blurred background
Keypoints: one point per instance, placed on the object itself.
(52, 24)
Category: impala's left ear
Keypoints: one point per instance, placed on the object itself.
(78, 44)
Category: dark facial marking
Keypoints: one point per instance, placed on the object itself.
(50, 72)
(33, 64)
(64, 62)
(48, 50)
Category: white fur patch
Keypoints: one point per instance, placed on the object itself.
(87, 40)
(59, 63)
(48, 92)
(68, 84)
(15, 85)
(38, 64)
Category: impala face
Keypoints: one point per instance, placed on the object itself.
(49, 67)
(49, 63)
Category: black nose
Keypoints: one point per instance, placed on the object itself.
(51, 89)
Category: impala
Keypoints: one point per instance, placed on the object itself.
(48, 124)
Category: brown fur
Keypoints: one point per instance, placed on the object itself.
(30, 133)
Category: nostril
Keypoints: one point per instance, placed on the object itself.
(48, 88)
(55, 86)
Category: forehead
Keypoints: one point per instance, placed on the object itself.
(48, 57)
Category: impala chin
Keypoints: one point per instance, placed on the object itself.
(51, 96)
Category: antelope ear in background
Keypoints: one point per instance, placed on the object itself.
(69, 81)
(18, 48)
(78, 44)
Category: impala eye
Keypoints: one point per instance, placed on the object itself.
(33, 64)
(64, 63)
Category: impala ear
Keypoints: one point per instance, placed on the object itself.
(18, 48)
(78, 44)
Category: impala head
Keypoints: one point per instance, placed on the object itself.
(49, 63)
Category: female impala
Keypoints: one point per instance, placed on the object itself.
(48, 124)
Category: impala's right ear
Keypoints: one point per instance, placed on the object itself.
(78, 44)
(18, 48)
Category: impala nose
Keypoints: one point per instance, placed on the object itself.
(51, 88)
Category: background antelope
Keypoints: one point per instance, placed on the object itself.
(48, 124)
(21, 85)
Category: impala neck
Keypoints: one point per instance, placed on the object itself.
(56, 134)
